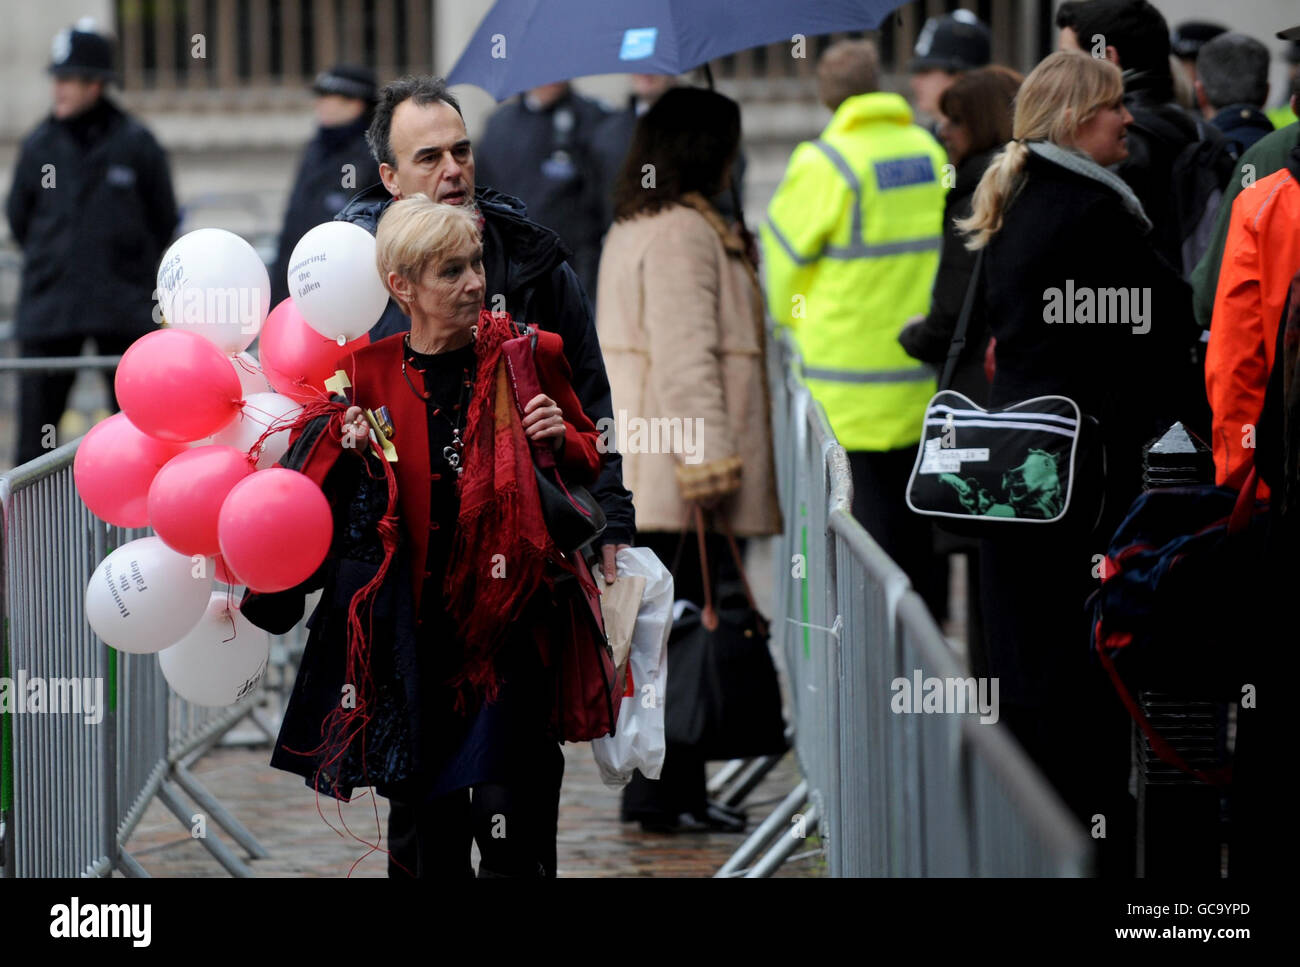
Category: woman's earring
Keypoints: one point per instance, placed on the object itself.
(473, 332)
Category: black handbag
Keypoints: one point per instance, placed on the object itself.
(722, 697)
(573, 516)
(983, 472)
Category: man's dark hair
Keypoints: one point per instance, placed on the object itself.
(423, 89)
(690, 137)
(1135, 29)
(1233, 69)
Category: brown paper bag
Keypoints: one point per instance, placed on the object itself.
(619, 603)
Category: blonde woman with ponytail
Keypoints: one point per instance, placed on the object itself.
(1063, 237)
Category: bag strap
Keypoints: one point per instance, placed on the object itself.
(1244, 508)
(963, 323)
(709, 616)
(1167, 753)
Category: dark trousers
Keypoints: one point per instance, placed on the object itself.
(514, 824)
(681, 786)
(43, 395)
(880, 506)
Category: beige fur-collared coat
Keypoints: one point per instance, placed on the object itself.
(680, 318)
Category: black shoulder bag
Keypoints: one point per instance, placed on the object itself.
(982, 472)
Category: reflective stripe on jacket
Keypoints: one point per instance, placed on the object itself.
(851, 246)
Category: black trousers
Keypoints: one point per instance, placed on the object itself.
(682, 783)
(43, 395)
(514, 824)
(880, 506)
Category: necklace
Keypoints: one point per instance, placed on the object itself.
(449, 453)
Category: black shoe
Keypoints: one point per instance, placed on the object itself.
(683, 823)
(733, 811)
(724, 819)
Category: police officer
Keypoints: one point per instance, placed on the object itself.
(946, 47)
(91, 205)
(336, 163)
(852, 246)
(538, 148)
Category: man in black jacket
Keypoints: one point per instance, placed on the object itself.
(92, 207)
(1133, 35)
(335, 163)
(419, 139)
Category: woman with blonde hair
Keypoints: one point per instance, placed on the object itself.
(1079, 305)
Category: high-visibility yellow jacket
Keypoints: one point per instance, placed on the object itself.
(851, 246)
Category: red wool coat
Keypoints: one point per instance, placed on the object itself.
(577, 636)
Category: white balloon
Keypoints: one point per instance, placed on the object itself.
(259, 412)
(144, 596)
(249, 371)
(222, 658)
(334, 281)
(212, 282)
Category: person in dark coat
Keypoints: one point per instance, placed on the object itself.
(335, 163)
(1232, 88)
(976, 111)
(976, 124)
(1054, 220)
(539, 149)
(1136, 38)
(462, 682)
(614, 137)
(92, 207)
(528, 274)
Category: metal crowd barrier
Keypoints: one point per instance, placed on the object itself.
(73, 792)
(889, 794)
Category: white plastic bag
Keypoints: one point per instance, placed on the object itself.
(638, 739)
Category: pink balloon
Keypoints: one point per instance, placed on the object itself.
(275, 529)
(295, 358)
(114, 466)
(224, 574)
(186, 497)
(175, 385)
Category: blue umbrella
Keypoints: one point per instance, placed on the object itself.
(522, 44)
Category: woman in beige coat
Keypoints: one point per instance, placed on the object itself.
(680, 317)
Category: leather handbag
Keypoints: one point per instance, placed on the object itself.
(573, 516)
(723, 698)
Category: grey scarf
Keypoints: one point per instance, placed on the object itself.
(1081, 164)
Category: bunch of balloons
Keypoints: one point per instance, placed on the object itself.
(192, 453)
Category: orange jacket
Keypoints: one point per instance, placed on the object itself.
(1260, 257)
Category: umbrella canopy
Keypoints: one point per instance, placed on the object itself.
(522, 44)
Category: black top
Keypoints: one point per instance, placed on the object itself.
(498, 740)
(92, 207)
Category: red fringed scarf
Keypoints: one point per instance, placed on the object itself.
(499, 555)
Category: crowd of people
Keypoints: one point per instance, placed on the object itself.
(1133, 157)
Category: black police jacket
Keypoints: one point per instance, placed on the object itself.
(322, 188)
(92, 207)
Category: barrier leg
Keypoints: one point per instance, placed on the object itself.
(128, 865)
(219, 850)
(773, 826)
(785, 845)
(219, 813)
